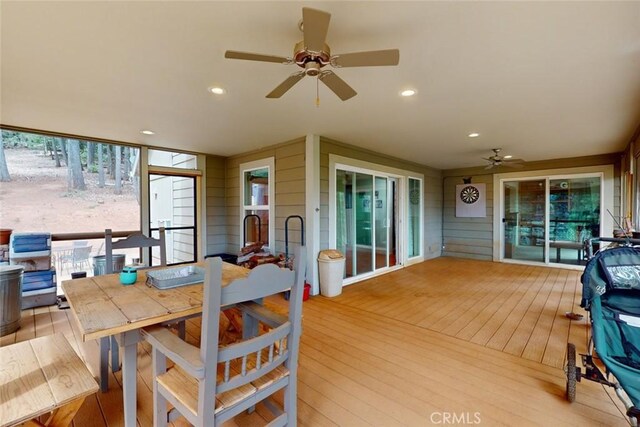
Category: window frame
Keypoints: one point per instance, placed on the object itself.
(269, 164)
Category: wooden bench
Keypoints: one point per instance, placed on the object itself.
(565, 244)
(40, 376)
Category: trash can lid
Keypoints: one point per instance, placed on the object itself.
(8, 269)
(330, 254)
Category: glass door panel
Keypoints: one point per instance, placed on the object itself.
(381, 209)
(574, 215)
(364, 201)
(413, 230)
(524, 220)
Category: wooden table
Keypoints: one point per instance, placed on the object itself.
(104, 307)
(39, 376)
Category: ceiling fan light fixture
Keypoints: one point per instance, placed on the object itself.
(474, 135)
(408, 92)
(147, 132)
(312, 68)
(217, 90)
(508, 157)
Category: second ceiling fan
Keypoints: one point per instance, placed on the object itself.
(312, 54)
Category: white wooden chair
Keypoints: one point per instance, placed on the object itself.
(211, 384)
(109, 344)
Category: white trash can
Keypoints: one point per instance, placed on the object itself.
(331, 272)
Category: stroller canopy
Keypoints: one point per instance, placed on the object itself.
(611, 269)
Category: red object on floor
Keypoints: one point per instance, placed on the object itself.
(307, 291)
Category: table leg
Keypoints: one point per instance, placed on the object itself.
(104, 364)
(129, 343)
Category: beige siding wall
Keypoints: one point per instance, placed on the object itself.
(432, 191)
(473, 237)
(216, 206)
(289, 192)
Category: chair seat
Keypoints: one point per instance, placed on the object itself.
(185, 387)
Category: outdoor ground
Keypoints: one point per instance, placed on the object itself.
(37, 199)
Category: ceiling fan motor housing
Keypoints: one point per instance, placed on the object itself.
(312, 62)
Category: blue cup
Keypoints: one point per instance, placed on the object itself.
(128, 275)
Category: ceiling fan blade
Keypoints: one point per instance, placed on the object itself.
(234, 54)
(337, 85)
(286, 85)
(490, 166)
(366, 59)
(315, 24)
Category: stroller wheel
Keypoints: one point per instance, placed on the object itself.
(571, 372)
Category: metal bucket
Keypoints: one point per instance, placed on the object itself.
(10, 298)
(100, 264)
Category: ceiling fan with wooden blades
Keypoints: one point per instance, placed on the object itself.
(498, 160)
(312, 54)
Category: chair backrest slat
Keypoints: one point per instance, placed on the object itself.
(136, 240)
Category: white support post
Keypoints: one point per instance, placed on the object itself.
(312, 213)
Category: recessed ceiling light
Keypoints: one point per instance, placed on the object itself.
(474, 135)
(408, 92)
(508, 157)
(147, 132)
(216, 90)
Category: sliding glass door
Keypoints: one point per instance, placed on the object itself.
(366, 229)
(548, 219)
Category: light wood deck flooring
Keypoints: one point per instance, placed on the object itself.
(479, 341)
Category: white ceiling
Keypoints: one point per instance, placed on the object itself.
(539, 79)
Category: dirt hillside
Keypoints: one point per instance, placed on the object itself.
(37, 199)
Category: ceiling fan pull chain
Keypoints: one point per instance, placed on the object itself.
(317, 93)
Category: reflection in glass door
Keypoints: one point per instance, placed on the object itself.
(524, 220)
(366, 208)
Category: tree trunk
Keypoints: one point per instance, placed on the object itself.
(76, 180)
(56, 156)
(112, 161)
(4, 170)
(90, 155)
(127, 163)
(100, 167)
(118, 167)
(63, 150)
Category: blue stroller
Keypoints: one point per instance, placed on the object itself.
(611, 295)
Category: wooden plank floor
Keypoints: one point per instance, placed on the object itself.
(479, 341)
(516, 309)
